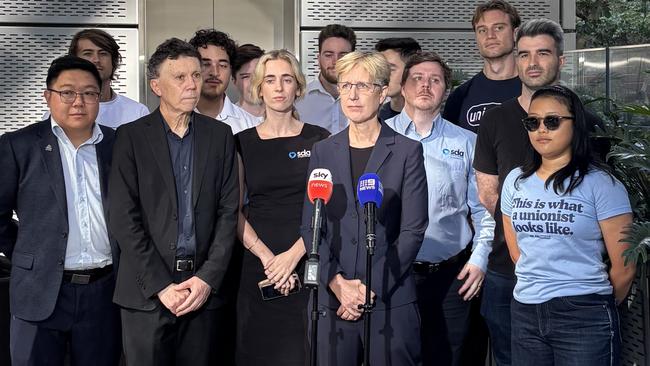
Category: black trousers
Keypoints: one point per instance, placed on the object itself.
(84, 320)
(444, 314)
(159, 338)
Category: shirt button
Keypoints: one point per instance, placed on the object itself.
(185, 167)
(64, 235)
(185, 191)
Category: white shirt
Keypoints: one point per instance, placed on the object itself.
(88, 245)
(117, 111)
(235, 117)
(320, 108)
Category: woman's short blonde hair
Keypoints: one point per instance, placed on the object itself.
(373, 62)
(258, 75)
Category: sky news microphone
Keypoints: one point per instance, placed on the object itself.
(319, 191)
(370, 193)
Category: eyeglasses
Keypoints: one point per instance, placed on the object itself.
(365, 88)
(69, 96)
(551, 122)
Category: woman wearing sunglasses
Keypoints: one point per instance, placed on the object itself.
(562, 211)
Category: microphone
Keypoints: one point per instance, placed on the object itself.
(370, 193)
(319, 191)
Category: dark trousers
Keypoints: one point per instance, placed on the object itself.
(566, 331)
(445, 315)
(84, 320)
(495, 308)
(159, 338)
(394, 338)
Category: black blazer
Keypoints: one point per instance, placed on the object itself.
(143, 207)
(402, 217)
(32, 184)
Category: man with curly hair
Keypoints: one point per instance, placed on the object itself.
(218, 51)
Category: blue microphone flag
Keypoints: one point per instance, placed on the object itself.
(370, 190)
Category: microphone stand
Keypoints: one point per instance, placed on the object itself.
(312, 274)
(370, 209)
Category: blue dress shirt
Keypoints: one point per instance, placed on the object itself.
(448, 155)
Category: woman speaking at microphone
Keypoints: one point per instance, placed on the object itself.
(271, 329)
(368, 146)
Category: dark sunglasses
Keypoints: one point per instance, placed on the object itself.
(551, 122)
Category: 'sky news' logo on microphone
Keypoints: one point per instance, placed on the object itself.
(320, 185)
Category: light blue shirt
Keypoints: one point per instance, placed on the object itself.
(88, 245)
(559, 236)
(448, 155)
(320, 108)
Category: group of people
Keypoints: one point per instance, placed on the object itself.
(124, 240)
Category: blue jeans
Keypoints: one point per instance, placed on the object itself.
(566, 331)
(495, 308)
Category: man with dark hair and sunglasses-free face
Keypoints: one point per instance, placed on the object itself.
(100, 48)
(55, 175)
(321, 105)
(448, 271)
(396, 51)
(495, 23)
(218, 52)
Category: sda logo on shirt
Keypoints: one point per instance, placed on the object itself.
(456, 154)
(300, 154)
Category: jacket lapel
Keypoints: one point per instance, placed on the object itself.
(202, 142)
(104, 149)
(158, 142)
(381, 151)
(49, 149)
(342, 159)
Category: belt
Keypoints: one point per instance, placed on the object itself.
(422, 267)
(86, 276)
(183, 265)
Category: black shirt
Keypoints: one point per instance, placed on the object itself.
(501, 146)
(471, 100)
(358, 160)
(180, 153)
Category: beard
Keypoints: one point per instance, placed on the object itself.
(329, 77)
(548, 77)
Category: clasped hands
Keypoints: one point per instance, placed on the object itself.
(352, 296)
(279, 269)
(186, 296)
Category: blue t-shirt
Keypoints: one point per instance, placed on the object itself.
(559, 236)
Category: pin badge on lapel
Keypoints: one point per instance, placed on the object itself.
(48, 148)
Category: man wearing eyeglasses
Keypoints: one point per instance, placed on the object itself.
(55, 175)
(448, 271)
(218, 51)
(501, 146)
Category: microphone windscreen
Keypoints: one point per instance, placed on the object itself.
(370, 189)
(320, 185)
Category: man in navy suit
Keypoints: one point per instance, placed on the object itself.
(54, 177)
(368, 146)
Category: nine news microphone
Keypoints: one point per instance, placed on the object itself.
(370, 193)
(319, 191)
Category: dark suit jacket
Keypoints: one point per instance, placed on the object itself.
(402, 217)
(32, 184)
(144, 211)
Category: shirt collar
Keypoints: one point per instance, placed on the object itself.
(405, 125)
(96, 137)
(228, 110)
